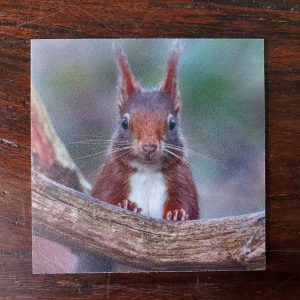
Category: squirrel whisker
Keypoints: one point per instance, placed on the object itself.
(95, 141)
(204, 157)
(123, 155)
(104, 151)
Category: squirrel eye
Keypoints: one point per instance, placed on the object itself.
(172, 122)
(125, 122)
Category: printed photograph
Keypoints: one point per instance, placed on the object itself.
(147, 155)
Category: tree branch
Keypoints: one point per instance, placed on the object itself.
(78, 220)
(49, 155)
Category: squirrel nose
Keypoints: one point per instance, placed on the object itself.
(149, 149)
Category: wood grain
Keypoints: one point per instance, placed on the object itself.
(276, 21)
(74, 219)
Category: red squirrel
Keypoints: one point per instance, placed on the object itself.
(146, 169)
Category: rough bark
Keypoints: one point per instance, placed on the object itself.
(78, 220)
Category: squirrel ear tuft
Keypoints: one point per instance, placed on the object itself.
(127, 84)
(169, 84)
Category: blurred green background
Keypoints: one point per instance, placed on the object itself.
(221, 84)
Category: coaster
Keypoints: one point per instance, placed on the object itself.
(147, 155)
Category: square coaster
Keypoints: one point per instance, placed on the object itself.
(147, 155)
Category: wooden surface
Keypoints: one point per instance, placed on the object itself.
(276, 21)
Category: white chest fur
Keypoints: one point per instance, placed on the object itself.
(148, 190)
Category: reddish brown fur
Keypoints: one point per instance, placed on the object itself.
(182, 192)
(149, 111)
(150, 134)
(127, 84)
(169, 85)
(112, 185)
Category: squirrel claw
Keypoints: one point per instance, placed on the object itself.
(177, 214)
(129, 205)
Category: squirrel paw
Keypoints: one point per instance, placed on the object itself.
(129, 205)
(177, 215)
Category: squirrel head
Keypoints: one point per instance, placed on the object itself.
(149, 118)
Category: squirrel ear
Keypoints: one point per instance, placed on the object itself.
(127, 84)
(169, 84)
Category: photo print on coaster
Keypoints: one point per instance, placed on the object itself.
(147, 155)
